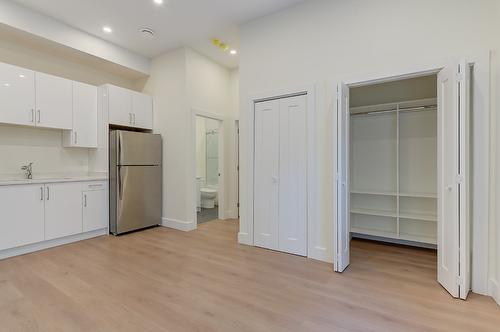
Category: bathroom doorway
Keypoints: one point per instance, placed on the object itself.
(208, 169)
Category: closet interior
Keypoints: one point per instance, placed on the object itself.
(393, 161)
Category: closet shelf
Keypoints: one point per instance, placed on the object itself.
(393, 193)
(418, 195)
(368, 192)
(371, 212)
(417, 216)
(373, 232)
(418, 238)
(394, 235)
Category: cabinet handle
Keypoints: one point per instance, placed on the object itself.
(134, 118)
(84, 200)
(39, 116)
(41, 193)
(130, 118)
(48, 193)
(32, 115)
(76, 137)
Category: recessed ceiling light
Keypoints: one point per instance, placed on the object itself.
(107, 29)
(21, 75)
(233, 52)
(7, 84)
(158, 2)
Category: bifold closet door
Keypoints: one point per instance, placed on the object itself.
(453, 193)
(266, 174)
(280, 175)
(292, 176)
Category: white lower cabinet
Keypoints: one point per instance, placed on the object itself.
(33, 213)
(63, 210)
(22, 220)
(95, 211)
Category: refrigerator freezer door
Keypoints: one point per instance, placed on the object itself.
(138, 197)
(134, 149)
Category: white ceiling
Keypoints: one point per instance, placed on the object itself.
(176, 23)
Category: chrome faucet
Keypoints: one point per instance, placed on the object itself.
(28, 169)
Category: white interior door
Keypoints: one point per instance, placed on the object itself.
(342, 226)
(266, 174)
(293, 175)
(453, 262)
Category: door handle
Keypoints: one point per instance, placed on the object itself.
(48, 193)
(41, 193)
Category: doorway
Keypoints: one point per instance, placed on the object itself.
(208, 169)
(402, 165)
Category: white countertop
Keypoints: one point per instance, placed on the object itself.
(10, 179)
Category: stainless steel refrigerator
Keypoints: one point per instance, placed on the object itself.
(135, 176)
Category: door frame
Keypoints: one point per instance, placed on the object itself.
(480, 152)
(221, 185)
(246, 232)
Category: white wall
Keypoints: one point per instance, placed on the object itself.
(320, 42)
(182, 81)
(44, 146)
(167, 85)
(209, 90)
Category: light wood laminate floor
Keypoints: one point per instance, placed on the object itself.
(166, 280)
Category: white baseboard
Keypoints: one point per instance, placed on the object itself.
(51, 243)
(231, 214)
(320, 254)
(494, 290)
(244, 238)
(180, 225)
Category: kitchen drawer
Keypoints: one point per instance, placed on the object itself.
(95, 185)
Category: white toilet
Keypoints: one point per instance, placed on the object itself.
(208, 197)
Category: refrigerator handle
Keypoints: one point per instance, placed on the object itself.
(119, 175)
(119, 150)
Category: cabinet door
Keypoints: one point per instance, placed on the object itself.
(22, 215)
(63, 210)
(95, 211)
(142, 110)
(54, 102)
(17, 95)
(120, 106)
(84, 132)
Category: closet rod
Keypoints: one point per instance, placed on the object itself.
(401, 109)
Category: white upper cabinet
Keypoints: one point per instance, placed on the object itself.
(120, 106)
(17, 95)
(129, 108)
(142, 110)
(84, 133)
(54, 101)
